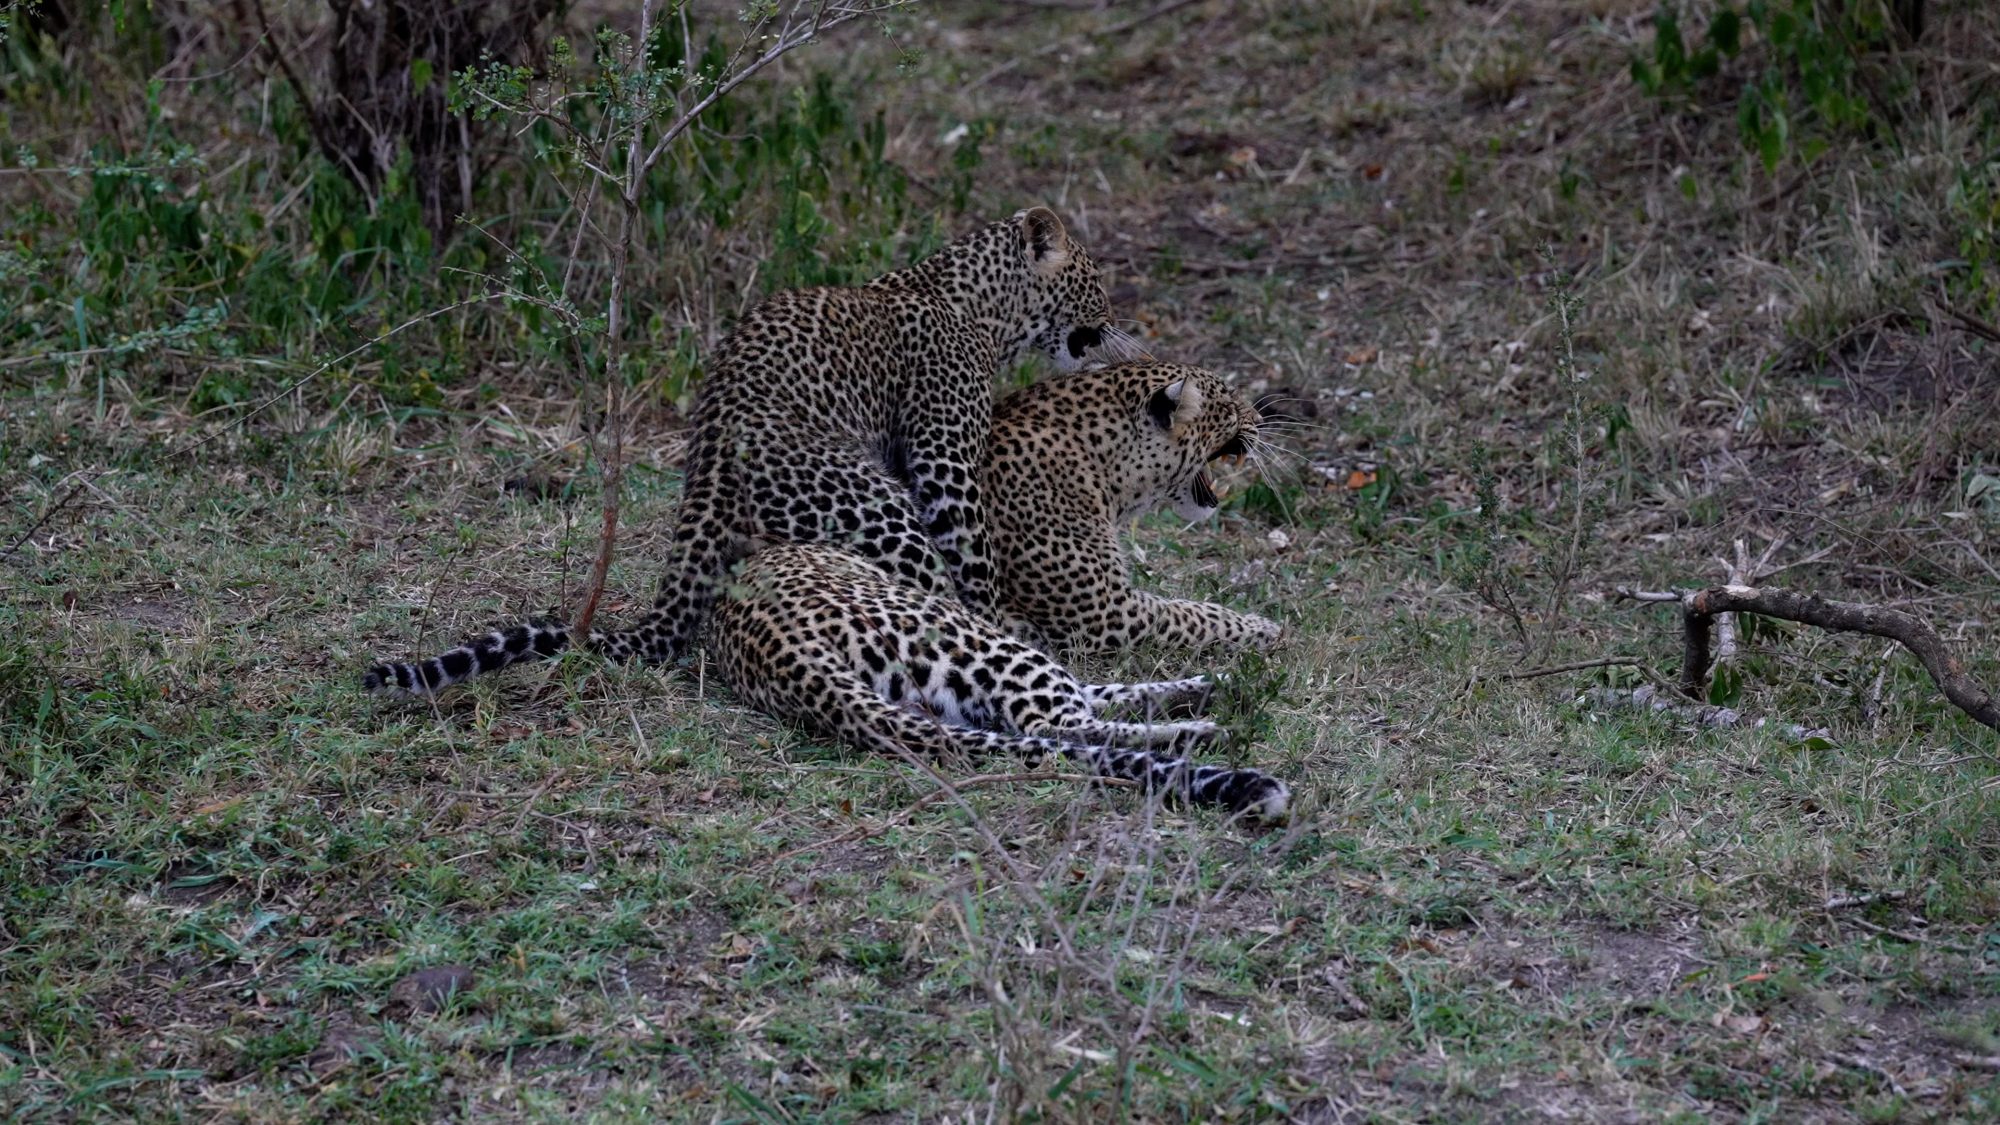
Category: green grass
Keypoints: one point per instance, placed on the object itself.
(221, 865)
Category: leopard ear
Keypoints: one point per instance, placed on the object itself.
(1046, 244)
(1174, 404)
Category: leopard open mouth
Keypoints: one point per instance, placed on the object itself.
(1203, 490)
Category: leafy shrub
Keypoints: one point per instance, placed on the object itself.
(1817, 76)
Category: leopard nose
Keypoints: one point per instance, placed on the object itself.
(1082, 338)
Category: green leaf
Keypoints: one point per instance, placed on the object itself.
(1771, 146)
(1726, 687)
(1726, 31)
(420, 74)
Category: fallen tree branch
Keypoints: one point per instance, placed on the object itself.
(1698, 611)
(1627, 593)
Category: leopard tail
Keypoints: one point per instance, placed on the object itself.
(490, 652)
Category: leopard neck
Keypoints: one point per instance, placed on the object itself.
(982, 277)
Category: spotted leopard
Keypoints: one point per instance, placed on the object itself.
(820, 638)
(1071, 458)
(860, 416)
(1075, 457)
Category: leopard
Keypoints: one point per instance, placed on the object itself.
(860, 415)
(857, 415)
(822, 639)
(1070, 459)
(1075, 457)
(833, 640)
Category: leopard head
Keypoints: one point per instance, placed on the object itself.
(1066, 313)
(1181, 419)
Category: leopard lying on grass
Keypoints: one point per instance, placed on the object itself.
(819, 638)
(829, 639)
(1075, 457)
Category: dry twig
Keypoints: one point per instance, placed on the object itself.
(1845, 902)
(1578, 666)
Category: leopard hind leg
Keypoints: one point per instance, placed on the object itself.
(1239, 789)
(1161, 697)
(863, 718)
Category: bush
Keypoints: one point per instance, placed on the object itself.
(1823, 66)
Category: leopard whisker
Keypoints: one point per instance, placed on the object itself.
(1274, 455)
(1286, 425)
(1123, 344)
(1278, 398)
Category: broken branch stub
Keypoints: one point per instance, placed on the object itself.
(1699, 608)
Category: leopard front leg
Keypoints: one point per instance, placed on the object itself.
(944, 449)
(1142, 616)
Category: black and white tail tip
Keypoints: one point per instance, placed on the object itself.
(536, 640)
(1250, 792)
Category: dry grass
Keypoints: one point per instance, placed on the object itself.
(1491, 903)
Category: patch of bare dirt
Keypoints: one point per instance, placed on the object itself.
(1919, 1046)
(1625, 962)
(149, 614)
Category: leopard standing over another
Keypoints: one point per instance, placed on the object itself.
(856, 416)
(820, 636)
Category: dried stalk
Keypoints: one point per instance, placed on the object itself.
(802, 23)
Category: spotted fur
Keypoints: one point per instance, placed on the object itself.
(860, 417)
(822, 639)
(1075, 457)
(816, 636)
(856, 416)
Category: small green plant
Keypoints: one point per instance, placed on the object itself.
(1242, 702)
(1973, 203)
(1816, 79)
